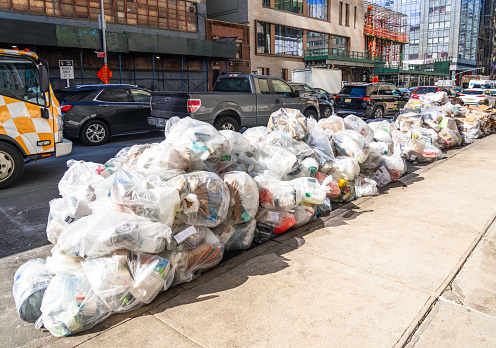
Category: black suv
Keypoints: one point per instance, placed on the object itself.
(369, 100)
(92, 113)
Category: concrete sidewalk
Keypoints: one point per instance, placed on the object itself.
(380, 272)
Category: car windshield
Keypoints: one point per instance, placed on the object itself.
(472, 92)
(298, 87)
(425, 90)
(353, 91)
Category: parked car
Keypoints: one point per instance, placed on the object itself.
(238, 100)
(491, 96)
(369, 100)
(330, 97)
(406, 92)
(93, 113)
(452, 95)
(324, 105)
(474, 96)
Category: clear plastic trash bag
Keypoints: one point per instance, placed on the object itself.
(274, 222)
(319, 142)
(347, 168)
(395, 165)
(77, 185)
(311, 191)
(244, 197)
(30, 283)
(290, 121)
(60, 215)
(59, 263)
(332, 125)
(238, 236)
(277, 194)
(238, 143)
(190, 264)
(204, 198)
(101, 234)
(144, 194)
(70, 306)
(303, 214)
(350, 143)
(355, 123)
(207, 148)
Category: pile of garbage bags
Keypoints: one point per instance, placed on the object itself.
(158, 215)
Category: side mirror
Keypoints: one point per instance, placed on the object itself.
(296, 93)
(45, 113)
(44, 79)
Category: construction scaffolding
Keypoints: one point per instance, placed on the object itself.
(385, 34)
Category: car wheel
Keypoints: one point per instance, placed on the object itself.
(94, 133)
(326, 112)
(311, 114)
(226, 123)
(378, 112)
(11, 165)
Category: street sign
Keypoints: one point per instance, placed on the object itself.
(100, 54)
(66, 69)
(104, 74)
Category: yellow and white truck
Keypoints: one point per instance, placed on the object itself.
(30, 118)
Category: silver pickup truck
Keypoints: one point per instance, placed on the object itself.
(238, 101)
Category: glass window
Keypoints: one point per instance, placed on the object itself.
(114, 95)
(295, 6)
(395, 92)
(317, 8)
(340, 13)
(281, 87)
(141, 96)
(308, 89)
(76, 96)
(263, 37)
(266, 3)
(288, 41)
(233, 84)
(347, 15)
(339, 42)
(19, 80)
(263, 86)
(318, 43)
(354, 91)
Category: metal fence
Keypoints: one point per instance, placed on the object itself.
(156, 79)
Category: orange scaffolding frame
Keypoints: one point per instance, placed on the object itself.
(385, 33)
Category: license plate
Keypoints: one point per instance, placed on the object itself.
(471, 100)
(347, 100)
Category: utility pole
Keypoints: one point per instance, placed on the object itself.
(103, 26)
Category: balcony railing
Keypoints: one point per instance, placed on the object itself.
(341, 54)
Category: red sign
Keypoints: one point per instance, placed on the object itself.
(104, 74)
(100, 54)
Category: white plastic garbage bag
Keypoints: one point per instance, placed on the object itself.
(320, 144)
(332, 125)
(311, 191)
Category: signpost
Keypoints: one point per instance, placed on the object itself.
(66, 70)
(104, 74)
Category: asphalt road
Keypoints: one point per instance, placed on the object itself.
(24, 206)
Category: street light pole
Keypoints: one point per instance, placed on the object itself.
(103, 24)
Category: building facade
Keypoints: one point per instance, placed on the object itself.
(286, 33)
(486, 50)
(441, 30)
(157, 44)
